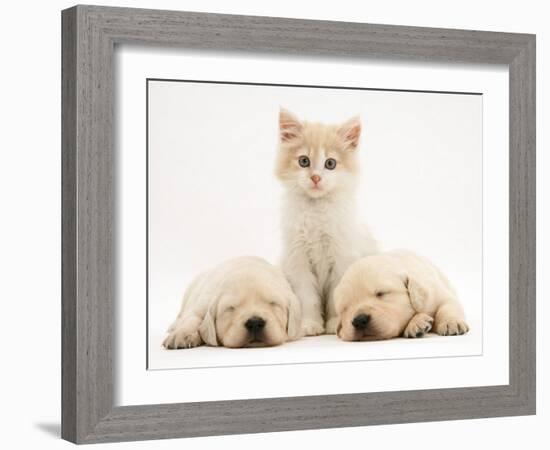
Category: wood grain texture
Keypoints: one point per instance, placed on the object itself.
(88, 208)
(68, 226)
(89, 36)
(522, 223)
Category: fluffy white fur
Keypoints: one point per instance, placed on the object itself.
(219, 303)
(322, 235)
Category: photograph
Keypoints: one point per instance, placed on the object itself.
(300, 223)
(283, 221)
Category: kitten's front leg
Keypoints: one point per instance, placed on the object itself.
(338, 270)
(312, 322)
(304, 284)
(312, 318)
(332, 318)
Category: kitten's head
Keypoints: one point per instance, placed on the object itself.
(316, 158)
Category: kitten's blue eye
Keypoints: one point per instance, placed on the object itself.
(303, 161)
(330, 163)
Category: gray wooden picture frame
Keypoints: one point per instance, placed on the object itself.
(89, 35)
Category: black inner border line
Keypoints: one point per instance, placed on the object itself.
(147, 224)
(248, 83)
(350, 88)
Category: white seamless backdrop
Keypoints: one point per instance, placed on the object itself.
(450, 241)
(31, 247)
(213, 196)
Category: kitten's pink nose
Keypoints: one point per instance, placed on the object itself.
(315, 178)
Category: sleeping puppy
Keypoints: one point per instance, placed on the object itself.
(243, 302)
(394, 294)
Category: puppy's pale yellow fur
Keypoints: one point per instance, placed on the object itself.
(401, 294)
(218, 303)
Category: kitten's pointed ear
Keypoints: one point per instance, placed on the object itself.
(289, 125)
(350, 132)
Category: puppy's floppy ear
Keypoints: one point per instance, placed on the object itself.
(207, 328)
(418, 293)
(294, 319)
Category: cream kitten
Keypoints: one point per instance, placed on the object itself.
(319, 168)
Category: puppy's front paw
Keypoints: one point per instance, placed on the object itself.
(451, 327)
(182, 339)
(312, 328)
(418, 326)
(331, 325)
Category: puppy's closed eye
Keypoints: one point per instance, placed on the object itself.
(380, 294)
(275, 304)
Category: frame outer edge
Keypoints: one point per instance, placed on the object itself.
(88, 288)
(290, 36)
(68, 225)
(522, 283)
(89, 415)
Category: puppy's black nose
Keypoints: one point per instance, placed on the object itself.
(360, 321)
(254, 324)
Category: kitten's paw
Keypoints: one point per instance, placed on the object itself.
(182, 339)
(331, 325)
(418, 326)
(451, 326)
(312, 327)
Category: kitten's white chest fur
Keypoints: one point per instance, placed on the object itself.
(321, 237)
(318, 166)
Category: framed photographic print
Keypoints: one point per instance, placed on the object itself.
(277, 224)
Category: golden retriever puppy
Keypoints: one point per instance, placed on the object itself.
(243, 302)
(394, 294)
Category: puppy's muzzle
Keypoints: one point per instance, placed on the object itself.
(255, 325)
(361, 321)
